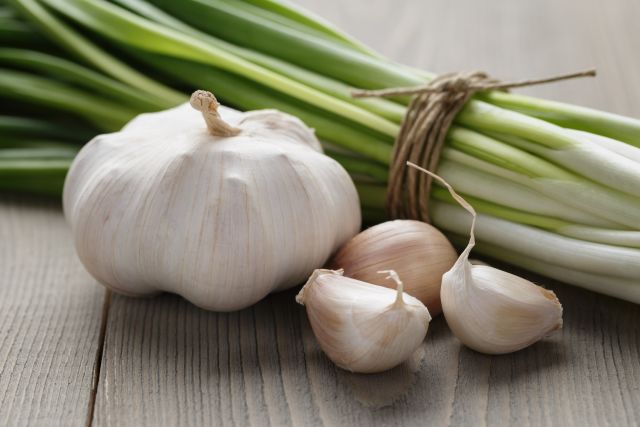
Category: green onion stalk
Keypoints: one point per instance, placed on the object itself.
(557, 186)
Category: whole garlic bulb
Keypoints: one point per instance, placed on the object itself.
(490, 310)
(222, 212)
(417, 251)
(362, 327)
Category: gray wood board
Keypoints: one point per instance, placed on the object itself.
(167, 362)
(50, 317)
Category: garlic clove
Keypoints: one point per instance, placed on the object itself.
(363, 327)
(417, 251)
(489, 310)
(495, 312)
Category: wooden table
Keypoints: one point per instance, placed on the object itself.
(71, 354)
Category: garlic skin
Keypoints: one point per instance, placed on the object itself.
(223, 220)
(417, 251)
(495, 312)
(362, 327)
(490, 310)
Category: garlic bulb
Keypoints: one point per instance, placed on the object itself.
(490, 310)
(417, 251)
(363, 327)
(222, 212)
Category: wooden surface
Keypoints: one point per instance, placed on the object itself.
(50, 319)
(163, 361)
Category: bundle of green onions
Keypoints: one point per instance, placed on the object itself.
(557, 186)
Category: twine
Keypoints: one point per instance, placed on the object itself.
(424, 130)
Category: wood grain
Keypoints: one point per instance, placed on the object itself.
(50, 316)
(169, 363)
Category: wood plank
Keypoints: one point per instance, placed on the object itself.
(167, 362)
(50, 317)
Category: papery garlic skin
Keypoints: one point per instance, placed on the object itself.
(418, 252)
(362, 327)
(163, 205)
(495, 312)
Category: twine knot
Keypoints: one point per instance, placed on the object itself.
(424, 128)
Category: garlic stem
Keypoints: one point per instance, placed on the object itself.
(400, 286)
(207, 104)
(463, 203)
